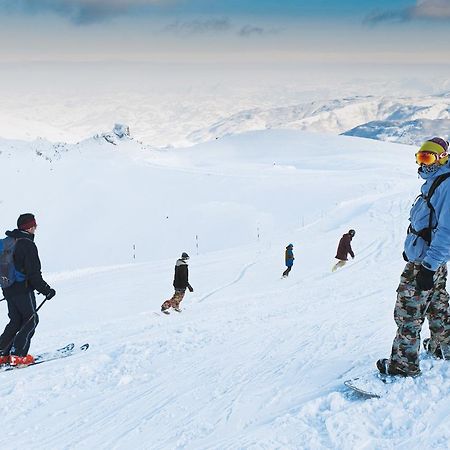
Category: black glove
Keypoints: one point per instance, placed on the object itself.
(191, 289)
(405, 257)
(424, 279)
(51, 294)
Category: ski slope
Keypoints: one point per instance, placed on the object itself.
(253, 361)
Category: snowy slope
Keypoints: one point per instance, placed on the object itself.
(253, 361)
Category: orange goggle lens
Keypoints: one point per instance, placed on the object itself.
(426, 158)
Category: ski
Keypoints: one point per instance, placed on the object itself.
(64, 352)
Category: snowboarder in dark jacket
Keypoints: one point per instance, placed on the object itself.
(180, 283)
(289, 260)
(16, 338)
(344, 249)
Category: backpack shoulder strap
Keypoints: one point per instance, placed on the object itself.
(436, 183)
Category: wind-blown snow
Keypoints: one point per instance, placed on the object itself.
(253, 361)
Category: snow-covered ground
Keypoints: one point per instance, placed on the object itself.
(253, 361)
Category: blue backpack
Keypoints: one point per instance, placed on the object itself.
(8, 272)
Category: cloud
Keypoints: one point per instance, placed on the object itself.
(198, 26)
(432, 9)
(424, 9)
(79, 11)
(251, 30)
(387, 16)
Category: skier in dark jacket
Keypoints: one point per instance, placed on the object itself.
(344, 249)
(289, 260)
(180, 283)
(16, 338)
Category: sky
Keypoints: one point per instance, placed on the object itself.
(226, 31)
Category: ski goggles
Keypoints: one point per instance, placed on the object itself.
(428, 158)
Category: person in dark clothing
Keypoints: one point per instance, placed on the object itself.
(344, 249)
(180, 283)
(289, 260)
(16, 338)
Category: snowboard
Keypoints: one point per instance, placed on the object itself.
(371, 385)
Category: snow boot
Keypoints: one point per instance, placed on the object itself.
(387, 367)
(437, 353)
(177, 309)
(21, 360)
(165, 311)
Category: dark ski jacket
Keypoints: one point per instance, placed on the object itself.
(181, 280)
(344, 248)
(26, 261)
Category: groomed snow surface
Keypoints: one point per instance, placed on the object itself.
(253, 361)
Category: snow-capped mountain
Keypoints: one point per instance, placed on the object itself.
(403, 120)
(412, 132)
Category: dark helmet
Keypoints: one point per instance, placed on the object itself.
(351, 232)
(184, 256)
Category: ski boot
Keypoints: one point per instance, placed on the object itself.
(21, 361)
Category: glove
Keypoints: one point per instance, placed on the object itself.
(191, 289)
(424, 279)
(51, 294)
(405, 257)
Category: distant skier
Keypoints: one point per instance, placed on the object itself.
(344, 249)
(421, 292)
(180, 283)
(15, 340)
(289, 260)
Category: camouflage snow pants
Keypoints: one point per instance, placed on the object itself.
(175, 301)
(411, 308)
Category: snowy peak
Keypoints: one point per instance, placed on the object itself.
(403, 120)
(412, 132)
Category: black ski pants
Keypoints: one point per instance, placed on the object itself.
(23, 320)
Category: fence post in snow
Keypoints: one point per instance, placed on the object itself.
(257, 232)
(196, 243)
(134, 252)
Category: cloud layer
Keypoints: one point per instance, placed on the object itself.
(424, 9)
(198, 26)
(80, 11)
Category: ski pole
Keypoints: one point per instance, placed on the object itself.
(26, 323)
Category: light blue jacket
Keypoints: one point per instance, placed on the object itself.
(416, 248)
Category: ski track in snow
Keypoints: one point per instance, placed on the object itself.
(239, 277)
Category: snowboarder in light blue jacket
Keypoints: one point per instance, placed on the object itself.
(422, 291)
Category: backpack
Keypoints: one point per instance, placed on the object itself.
(8, 272)
(426, 233)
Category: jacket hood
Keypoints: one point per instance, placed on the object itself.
(19, 234)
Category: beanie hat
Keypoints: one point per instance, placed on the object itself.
(351, 232)
(26, 221)
(184, 255)
(436, 145)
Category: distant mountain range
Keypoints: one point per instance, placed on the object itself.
(402, 120)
